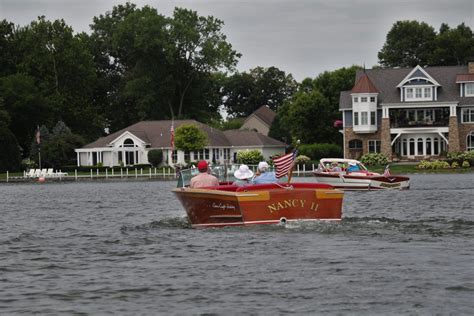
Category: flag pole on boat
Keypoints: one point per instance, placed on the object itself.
(295, 152)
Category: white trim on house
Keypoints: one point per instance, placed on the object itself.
(409, 78)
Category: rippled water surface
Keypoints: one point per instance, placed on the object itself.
(126, 248)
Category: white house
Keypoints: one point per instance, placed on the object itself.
(130, 145)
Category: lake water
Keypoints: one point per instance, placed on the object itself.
(126, 248)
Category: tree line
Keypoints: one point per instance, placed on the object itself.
(137, 64)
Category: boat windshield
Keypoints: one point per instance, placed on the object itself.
(225, 173)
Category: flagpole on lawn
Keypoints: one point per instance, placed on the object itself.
(38, 141)
(290, 173)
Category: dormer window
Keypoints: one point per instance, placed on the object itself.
(372, 99)
(418, 85)
(418, 94)
(356, 99)
(363, 99)
(469, 89)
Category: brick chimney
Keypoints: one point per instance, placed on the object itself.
(470, 67)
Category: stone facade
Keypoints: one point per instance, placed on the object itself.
(453, 134)
(351, 135)
(386, 147)
(464, 130)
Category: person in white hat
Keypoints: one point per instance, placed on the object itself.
(244, 175)
(264, 176)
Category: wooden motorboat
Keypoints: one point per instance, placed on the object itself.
(337, 172)
(231, 205)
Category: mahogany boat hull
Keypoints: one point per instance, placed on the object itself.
(344, 181)
(260, 204)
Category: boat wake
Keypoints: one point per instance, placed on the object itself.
(170, 222)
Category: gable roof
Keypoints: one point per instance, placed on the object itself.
(158, 134)
(265, 114)
(418, 73)
(387, 80)
(241, 138)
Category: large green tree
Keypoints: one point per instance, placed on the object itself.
(47, 75)
(408, 43)
(453, 46)
(245, 92)
(310, 114)
(10, 154)
(160, 67)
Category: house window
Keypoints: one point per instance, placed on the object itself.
(420, 147)
(355, 144)
(372, 118)
(174, 156)
(186, 156)
(428, 146)
(226, 154)
(374, 146)
(468, 115)
(206, 154)
(363, 99)
(436, 146)
(356, 99)
(409, 93)
(128, 143)
(470, 141)
(411, 148)
(372, 99)
(418, 93)
(469, 89)
(363, 118)
(427, 92)
(356, 118)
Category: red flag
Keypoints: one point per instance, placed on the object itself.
(284, 164)
(38, 135)
(172, 135)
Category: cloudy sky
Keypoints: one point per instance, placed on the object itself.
(302, 37)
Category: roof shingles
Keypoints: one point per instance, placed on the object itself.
(386, 81)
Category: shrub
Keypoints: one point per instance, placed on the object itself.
(155, 157)
(424, 164)
(466, 164)
(251, 157)
(302, 159)
(318, 151)
(373, 159)
(454, 165)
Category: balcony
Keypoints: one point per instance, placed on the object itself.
(404, 123)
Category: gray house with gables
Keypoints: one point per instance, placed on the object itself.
(409, 113)
(130, 146)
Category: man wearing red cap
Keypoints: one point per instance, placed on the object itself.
(203, 179)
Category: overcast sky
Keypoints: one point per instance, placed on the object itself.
(301, 37)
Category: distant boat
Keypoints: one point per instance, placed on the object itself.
(337, 172)
(231, 205)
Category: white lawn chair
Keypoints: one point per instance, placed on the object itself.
(43, 173)
(30, 173)
(37, 173)
(49, 173)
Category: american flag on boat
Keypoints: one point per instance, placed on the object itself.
(284, 164)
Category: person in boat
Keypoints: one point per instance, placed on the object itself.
(244, 176)
(335, 167)
(203, 178)
(264, 176)
(353, 167)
